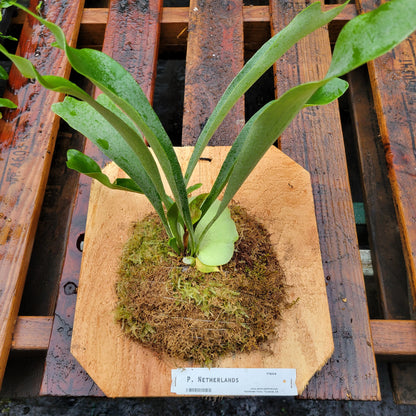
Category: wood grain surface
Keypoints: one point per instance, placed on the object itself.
(282, 201)
(32, 333)
(394, 339)
(393, 78)
(315, 140)
(386, 248)
(136, 47)
(215, 54)
(27, 141)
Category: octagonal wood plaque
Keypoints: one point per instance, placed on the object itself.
(279, 194)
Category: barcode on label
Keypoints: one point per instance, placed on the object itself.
(195, 390)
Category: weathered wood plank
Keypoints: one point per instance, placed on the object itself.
(42, 280)
(173, 15)
(32, 333)
(351, 372)
(393, 78)
(136, 47)
(386, 252)
(386, 248)
(175, 21)
(394, 339)
(27, 141)
(215, 54)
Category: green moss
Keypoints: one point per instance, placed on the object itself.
(174, 308)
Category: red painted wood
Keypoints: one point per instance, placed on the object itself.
(315, 140)
(27, 141)
(214, 56)
(131, 37)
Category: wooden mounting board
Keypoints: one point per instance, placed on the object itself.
(283, 201)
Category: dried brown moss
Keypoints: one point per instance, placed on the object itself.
(176, 309)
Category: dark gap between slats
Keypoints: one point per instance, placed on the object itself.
(371, 284)
(169, 95)
(93, 4)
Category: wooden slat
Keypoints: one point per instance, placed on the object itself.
(27, 140)
(32, 333)
(131, 38)
(386, 248)
(175, 15)
(215, 54)
(175, 21)
(42, 280)
(393, 78)
(394, 339)
(387, 255)
(315, 140)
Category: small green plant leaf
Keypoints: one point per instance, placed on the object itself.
(4, 102)
(4, 4)
(176, 225)
(328, 92)
(195, 207)
(189, 260)
(7, 37)
(370, 35)
(204, 268)
(174, 245)
(192, 188)
(216, 245)
(84, 164)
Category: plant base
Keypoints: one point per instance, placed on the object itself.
(175, 309)
(278, 193)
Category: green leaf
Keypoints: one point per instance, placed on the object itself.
(89, 122)
(174, 245)
(86, 165)
(216, 245)
(195, 207)
(192, 188)
(113, 80)
(4, 4)
(7, 37)
(328, 92)
(4, 102)
(308, 20)
(227, 167)
(189, 260)
(204, 268)
(3, 73)
(268, 124)
(175, 224)
(51, 82)
(370, 35)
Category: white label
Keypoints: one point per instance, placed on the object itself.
(234, 381)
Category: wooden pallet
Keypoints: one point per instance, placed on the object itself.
(28, 138)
